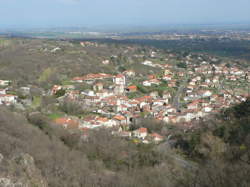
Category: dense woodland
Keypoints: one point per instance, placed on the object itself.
(222, 47)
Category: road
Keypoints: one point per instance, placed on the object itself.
(176, 100)
(183, 163)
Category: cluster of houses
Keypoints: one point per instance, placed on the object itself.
(5, 97)
(118, 123)
(204, 93)
(198, 90)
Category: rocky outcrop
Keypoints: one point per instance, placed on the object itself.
(20, 171)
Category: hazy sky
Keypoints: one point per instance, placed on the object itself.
(41, 13)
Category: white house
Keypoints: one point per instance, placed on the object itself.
(205, 93)
(207, 109)
(167, 77)
(2, 91)
(141, 133)
(8, 99)
(4, 82)
(119, 79)
(156, 137)
(151, 82)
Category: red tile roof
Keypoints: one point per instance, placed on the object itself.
(143, 130)
(119, 117)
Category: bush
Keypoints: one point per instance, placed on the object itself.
(181, 65)
(71, 108)
(60, 93)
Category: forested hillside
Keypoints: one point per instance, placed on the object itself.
(35, 153)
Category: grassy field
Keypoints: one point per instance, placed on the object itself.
(54, 116)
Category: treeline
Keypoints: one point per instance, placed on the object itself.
(225, 48)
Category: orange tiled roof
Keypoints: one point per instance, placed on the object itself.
(68, 121)
(119, 117)
(102, 119)
(156, 135)
(143, 130)
(119, 76)
(132, 87)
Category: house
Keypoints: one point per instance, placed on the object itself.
(166, 95)
(186, 116)
(153, 53)
(67, 122)
(89, 100)
(121, 107)
(55, 89)
(98, 86)
(78, 79)
(156, 137)
(4, 82)
(148, 63)
(151, 82)
(197, 78)
(172, 83)
(120, 120)
(73, 94)
(205, 93)
(232, 78)
(146, 99)
(236, 71)
(146, 83)
(167, 66)
(216, 79)
(131, 88)
(190, 88)
(25, 91)
(105, 122)
(193, 105)
(207, 109)
(192, 83)
(214, 97)
(181, 74)
(119, 89)
(119, 79)
(167, 72)
(166, 119)
(93, 121)
(160, 102)
(154, 94)
(104, 93)
(89, 93)
(129, 73)
(152, 76)
(8, 99)
(207, 81)
(124, 133)
(172, 119)
(204, 85)
(2, 91)
(105, 62)
(141, 133)
(167, 77)
(90, 78)
(170, 109)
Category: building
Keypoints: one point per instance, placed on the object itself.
(119, 79)
(132, 88)
(8, 99)
(141, 133)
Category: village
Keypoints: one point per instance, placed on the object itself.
(179, 95)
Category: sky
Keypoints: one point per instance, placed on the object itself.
(68, 13)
